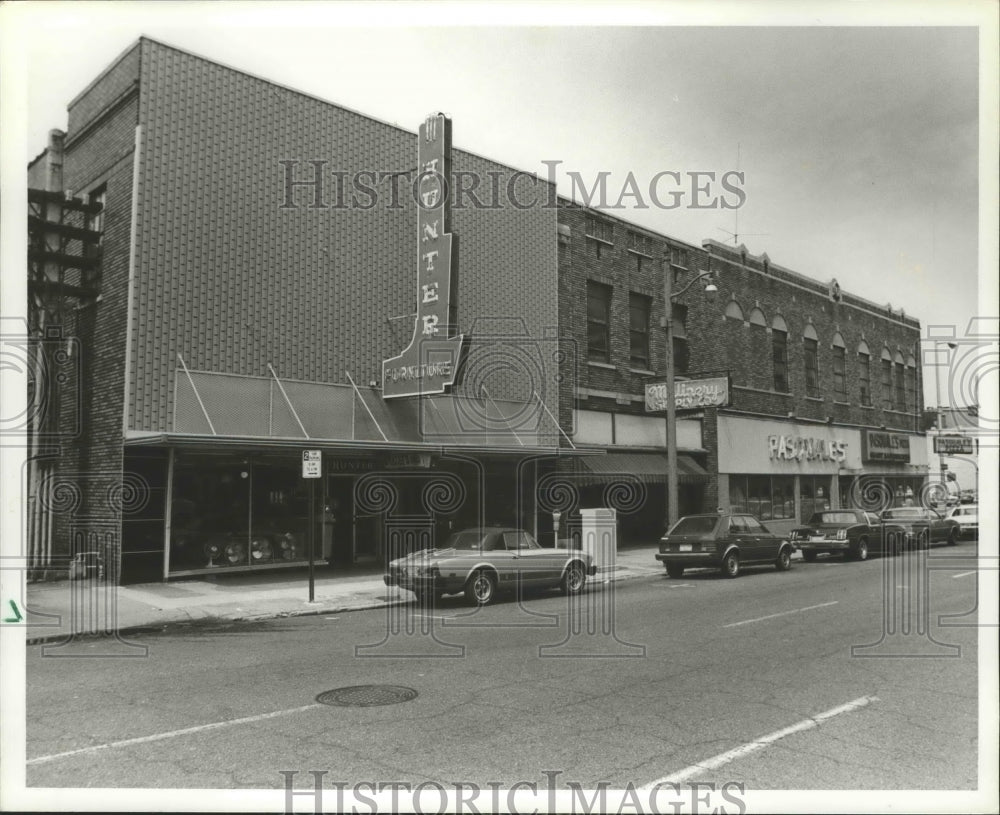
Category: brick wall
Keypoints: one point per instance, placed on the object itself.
(94, 100)
(718, 344)
(90, 466)
(233, 281)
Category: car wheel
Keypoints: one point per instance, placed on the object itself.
(574, 580)
(809, 556)
(952, 538)
(481, 588)
(784, 561)
(860, 550)
(731, 564)
(675, 571)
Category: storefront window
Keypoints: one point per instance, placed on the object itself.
(878, 492)
(770, 498)
(280, 513)
(814, 492)
(230, 512)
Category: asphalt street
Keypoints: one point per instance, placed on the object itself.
(831, 676)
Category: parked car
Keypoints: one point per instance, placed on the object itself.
(851, 532)
(967, 516)
(922, 526)
(968, 497)
(483, 561)
(727, 542)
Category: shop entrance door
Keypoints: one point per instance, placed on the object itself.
(338, 520)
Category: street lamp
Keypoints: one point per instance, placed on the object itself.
(940, 413)
(668, 324)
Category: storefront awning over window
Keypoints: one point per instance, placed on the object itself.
(647, 467)
(227, 406)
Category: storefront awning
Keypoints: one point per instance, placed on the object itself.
(647, 467)
(226, 409)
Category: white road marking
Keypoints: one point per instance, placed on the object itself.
(964, 574)
(780, 614)
(745, 749)
(172, 733)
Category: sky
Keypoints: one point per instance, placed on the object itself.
(859, 138)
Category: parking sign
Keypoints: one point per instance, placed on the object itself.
(312, 464)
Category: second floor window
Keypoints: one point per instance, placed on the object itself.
(811, 348)
(865, 378)
(779, 358)
(911, 386)
(840, 371)
(638, 330)
(887, 384)
(681, 351)
(598, 322)
(899, 400)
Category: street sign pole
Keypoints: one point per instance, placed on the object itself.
(312, 537)
(312, 468)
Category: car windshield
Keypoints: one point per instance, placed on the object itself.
(694, 525)
(833, 518)
(471, 539)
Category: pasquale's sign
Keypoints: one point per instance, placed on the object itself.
(803, 448)
(879, 445)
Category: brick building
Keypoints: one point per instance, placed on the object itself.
(244, 314)
(250, 291)
(824, 391)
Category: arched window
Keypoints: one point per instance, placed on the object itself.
(810, 343)
(779, 353)
(911, 383)
(899, 391)
(839, 367)
(757, 375)
(865, 373)
(733, 311)
(886, 379)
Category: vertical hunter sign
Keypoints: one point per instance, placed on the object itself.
(429, 363)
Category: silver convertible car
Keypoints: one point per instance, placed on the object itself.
(481, 562)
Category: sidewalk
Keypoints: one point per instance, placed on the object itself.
(55, 611)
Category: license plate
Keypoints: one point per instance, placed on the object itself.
(817, 538)
(684, 547)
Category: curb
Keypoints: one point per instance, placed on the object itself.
(618, 573)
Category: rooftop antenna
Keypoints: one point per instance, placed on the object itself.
(736, 212)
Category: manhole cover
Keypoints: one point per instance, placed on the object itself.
(366, 695)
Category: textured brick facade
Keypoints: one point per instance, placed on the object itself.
(88, 480)
(231, 277)
(232, 280)
(597, 247)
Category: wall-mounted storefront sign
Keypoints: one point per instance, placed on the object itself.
(805, 448)
(689, 394)
(953, 445)
(783, 448)
(880, 445)
(409, 460)
(430, 362)
(335, 464)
